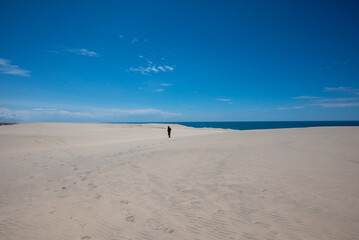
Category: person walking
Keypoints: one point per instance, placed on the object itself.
(169, 131)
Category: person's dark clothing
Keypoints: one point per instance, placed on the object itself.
(169, 131)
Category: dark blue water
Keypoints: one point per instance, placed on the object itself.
(268, 125)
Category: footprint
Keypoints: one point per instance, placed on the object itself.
(220, 211)
(124, 201)
(83, 178)
(168, 230)
(130, 219)
(196, 204)
(154, 224)
(86, 237)
(98, 196)
(135, 166)
(262, 224)
(91, 185)
(52, 212)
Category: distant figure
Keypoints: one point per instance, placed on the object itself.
(169, 131)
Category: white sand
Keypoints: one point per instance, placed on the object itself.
(110, 181)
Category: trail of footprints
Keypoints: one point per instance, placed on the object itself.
(130, 218)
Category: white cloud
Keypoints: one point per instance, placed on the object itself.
(304, 97)
(330, 102)
(337, 89)
(290, 108)
(229, 101)
(337, 105)
(134, 40)
(161, 68)
(83, 52)
(151, 67)
(337, 102)
(338, 99)
(145, 112)
(40, 114)
(144, 71)
(148, 61)
(343, 62)
(169, 68)
(7, 68)
(154, 69)
(44, 109)
(166, 84)
(158, 90)
(349, 90)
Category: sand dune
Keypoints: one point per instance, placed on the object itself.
(124, 181)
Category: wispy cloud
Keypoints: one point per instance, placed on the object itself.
(338, 99)
(146, 111)
(337, 102)
(7, 115)
(305, 97)
(44, 109)
(161, 68)
(229, 101)
(349, 90)
(169, 68)
(151, 67)
(342, 102)
(223, 99)
(54, 51)
(148, 61)
(337, 105)
(290, 108)
(82, 51)
(153, 86)
(7, 68)
(159, 90)
(337, 63)
(134, 40)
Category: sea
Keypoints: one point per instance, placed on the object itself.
(267, 125)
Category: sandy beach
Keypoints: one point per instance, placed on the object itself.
(129, 181)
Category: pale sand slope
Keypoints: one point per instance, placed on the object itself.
(110, 181)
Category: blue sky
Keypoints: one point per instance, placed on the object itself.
(119, 61)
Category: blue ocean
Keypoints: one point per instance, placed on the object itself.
(268, 125)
